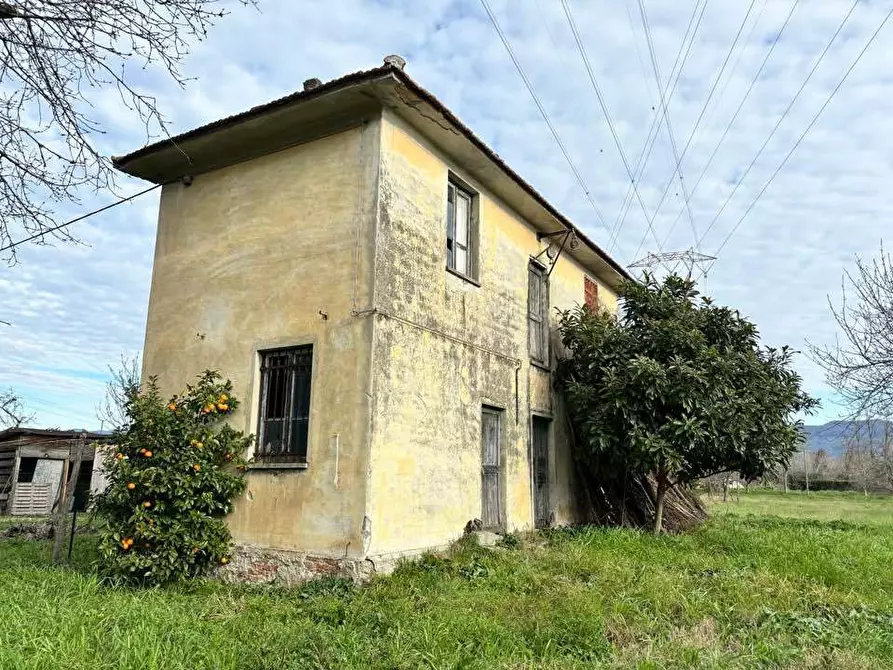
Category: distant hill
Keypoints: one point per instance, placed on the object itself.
(833, 436)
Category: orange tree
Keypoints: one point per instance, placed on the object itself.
(171, 480)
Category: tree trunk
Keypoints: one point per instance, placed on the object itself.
(659, 503)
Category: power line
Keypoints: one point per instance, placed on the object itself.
(780, 119)
(657, 119)
(806, 131)
(743, 50)
(13, 245)
(604, 107)
(543, 113)
(694, 130)
(737, 112)
(666, 114)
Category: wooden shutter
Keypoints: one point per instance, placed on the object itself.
(491, 487)
(537, 315)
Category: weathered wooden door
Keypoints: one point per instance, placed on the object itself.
(491, 481)
(540, 472)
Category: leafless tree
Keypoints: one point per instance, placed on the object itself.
(12, 412)
(124, 385)
(57, 55)
(820, 462)
(884, 454)
(860, 462)
(860, 368)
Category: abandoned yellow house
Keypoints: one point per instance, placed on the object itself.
(381, 290)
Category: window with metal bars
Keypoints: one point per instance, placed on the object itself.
(284, 405)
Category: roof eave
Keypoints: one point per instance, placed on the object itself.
(188, 153)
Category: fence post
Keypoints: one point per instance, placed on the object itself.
(66, 495)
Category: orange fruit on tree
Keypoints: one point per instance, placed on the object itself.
(148, 454)
(196, 467)
(147, 504)
(131, 485)
(172, 407)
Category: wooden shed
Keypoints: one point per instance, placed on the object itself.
(32, 463)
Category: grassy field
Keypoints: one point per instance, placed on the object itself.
(773, 581)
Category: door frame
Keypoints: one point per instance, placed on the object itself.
(549, 419)
(499, 413)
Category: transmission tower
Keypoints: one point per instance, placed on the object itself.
(689, 259)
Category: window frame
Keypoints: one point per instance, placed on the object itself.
(535, 269)
(285, 459)
(456, 188)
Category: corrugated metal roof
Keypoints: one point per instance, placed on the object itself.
(10, 433)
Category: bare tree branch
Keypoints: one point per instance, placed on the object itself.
(12, 413)
(120, 391)
(54, 56)
(860, 368)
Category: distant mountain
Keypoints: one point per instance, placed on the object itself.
(833, 436)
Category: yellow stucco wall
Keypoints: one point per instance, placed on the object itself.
(443, 347)
(340, 242)
(272, 252)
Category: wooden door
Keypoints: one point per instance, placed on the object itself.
(491, 479)
(540, 472)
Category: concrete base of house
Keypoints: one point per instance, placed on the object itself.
(283, 567)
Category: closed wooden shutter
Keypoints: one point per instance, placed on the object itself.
(537, 315)
(491, 480)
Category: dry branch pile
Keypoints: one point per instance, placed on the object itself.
(629, 501)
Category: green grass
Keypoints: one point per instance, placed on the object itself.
(820, 505)
(811, 587)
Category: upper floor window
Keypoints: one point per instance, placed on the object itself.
(284, 404)
(590, 293)
(538, 314)
(461, 229)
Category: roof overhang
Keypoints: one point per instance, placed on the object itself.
(344, 103)
(11, 433)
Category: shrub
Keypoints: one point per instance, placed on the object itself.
(172, 479)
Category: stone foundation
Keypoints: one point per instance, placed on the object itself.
(282, 567)
(262, 565)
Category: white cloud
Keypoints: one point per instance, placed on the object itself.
(76, 309)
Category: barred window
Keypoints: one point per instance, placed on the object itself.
(285, 404)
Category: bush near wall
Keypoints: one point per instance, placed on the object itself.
(171, 482)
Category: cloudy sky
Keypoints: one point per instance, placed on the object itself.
(76, 310)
